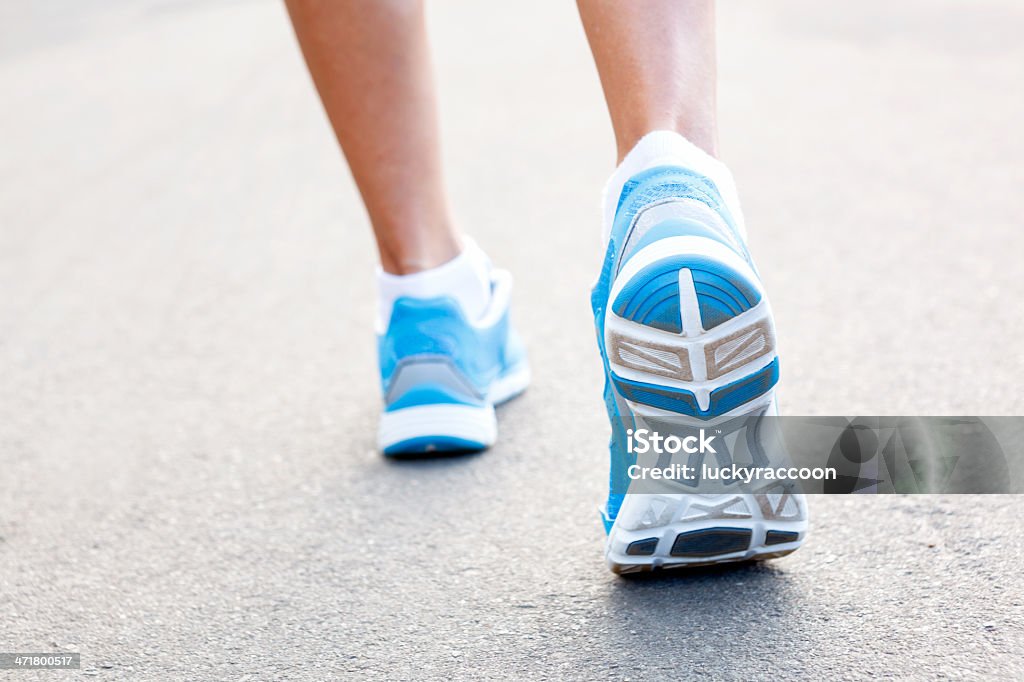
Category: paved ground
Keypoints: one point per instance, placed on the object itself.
(188, 488)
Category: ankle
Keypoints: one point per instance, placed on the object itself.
(410, 256)
(466, 278)
(704, 137)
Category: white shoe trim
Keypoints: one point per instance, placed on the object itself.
(677, 246)
(464, 422)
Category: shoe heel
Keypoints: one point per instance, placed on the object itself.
(429, 429)
(691, 333)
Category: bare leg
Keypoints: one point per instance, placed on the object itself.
(656, 60)
(371, 64)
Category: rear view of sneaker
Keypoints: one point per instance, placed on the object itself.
(685, 332)
(445, 359)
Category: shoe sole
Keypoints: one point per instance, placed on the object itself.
(448, 428)
(689, 331)
(653, 532)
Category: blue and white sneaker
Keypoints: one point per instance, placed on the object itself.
(442, 374)
(685, 331)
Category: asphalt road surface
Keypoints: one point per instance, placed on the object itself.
(188, 389)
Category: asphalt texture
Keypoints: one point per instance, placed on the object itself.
(188, 388)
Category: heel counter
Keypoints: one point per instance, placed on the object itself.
(426, 355)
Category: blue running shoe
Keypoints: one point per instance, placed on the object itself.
(685, 332)
(442, 374)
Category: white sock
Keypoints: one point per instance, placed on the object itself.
(669, 148)
(466, 278)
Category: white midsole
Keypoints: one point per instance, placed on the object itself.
(476, 424)
(465, 422)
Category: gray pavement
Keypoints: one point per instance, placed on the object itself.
(188, 487)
